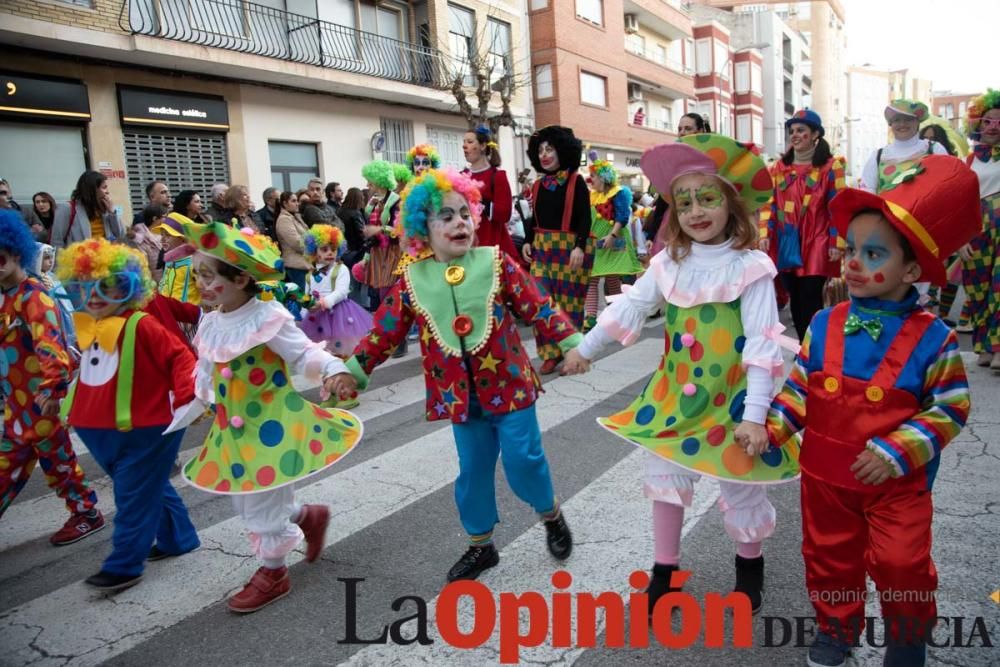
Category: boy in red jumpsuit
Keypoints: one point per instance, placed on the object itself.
(896, 370)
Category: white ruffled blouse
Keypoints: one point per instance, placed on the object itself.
(710, 274)
(224, 336)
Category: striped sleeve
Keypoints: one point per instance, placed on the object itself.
(787, 415)
(945, 409)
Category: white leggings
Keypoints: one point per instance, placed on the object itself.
(270, 516)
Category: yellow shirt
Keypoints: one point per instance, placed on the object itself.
(97, 228)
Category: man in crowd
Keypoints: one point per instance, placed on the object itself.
(267, 212)
(217, 208)
(157, 194)
(317, 211)
(7, 197)
(334, 196)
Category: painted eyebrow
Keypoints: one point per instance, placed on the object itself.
(873, 246)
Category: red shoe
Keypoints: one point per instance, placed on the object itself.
(549, 366)
(264, 587)
(313, 522)
(76, 528)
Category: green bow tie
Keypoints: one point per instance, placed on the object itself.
(854, 323)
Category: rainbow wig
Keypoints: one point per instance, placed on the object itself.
(422, 199)
(324, 235)
(96, 259)
(16, 239)
(401, 173)
(379, 173)
(605, 171)
(425, 150)
(977, 108)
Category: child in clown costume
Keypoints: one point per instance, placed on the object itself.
(177, 281)
(478, 375)
(265, 436)
(615, 254)
(981, 257)
(35, 371)
(703, 411)
(896, 369)
(124, 424)
(335, 320)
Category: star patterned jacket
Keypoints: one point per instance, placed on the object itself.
(501, 370)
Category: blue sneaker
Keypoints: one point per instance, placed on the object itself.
(828, 651)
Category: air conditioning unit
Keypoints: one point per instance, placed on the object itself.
(634, 92)
(631, 23)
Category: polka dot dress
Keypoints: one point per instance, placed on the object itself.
(689, 409)
(265, 435)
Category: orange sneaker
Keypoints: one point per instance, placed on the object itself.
(76, 528)
(313, 522)
(264, 587)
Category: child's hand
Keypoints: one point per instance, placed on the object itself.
(868, 468)
(341, 385)
(752, 438)
(574, 364)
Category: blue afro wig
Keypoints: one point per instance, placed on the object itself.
(16, 239)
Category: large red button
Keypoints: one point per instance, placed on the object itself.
(462, 325)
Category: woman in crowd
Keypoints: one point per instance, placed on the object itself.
(241, 208)
(796, 229)
(90, 213)
(41, 216)
(291, 230)
(188, 203)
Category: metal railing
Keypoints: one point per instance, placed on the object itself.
(247, 27)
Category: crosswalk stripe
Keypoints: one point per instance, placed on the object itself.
(610, 519)
(75, 621)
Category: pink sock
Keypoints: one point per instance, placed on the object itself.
(748, 549)
(667, 522)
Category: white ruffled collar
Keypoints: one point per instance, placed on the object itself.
(710, 274)
(224, 336)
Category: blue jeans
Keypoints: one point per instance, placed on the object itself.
(149, 510)
(480, 441)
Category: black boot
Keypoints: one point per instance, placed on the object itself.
(558, 537)
(659, 585)
(477, 559)
(912, 654)
(400, 351)
(750, 580)
(106, 581)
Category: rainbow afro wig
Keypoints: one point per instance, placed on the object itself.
(324, 235)
(423, 197)
(401, 173)
(379, 173)
(605, 171)
(16, 239)
(99, 259)
(977, 108)
(424, 150)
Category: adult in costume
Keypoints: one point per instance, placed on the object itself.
(558, 245)
(483, 156)
(904, 118)
(384, 251)
(796, 229)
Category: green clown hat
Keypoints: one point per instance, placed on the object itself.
(736, 163)
(244, 248)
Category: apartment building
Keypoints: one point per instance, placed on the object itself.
(952, 106)
(263, 93)
(619, 72)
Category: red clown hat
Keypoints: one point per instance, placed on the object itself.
(934, 204)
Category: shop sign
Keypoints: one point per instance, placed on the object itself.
(147, 106)
(28, 96)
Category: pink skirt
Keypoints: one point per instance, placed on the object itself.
(340, 327)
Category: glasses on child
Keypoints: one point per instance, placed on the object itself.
(983, 124)
(421, 162)
(116, 288)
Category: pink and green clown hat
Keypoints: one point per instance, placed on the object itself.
(244, 248)
(737, 163)
(905, 107)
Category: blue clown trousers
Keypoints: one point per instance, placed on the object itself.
(149, 510)
(514, 438)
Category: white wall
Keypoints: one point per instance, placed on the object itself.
(867, 130)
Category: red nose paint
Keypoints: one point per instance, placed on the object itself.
(854, 265)
(879, 278)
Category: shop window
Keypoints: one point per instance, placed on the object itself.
(293, 164)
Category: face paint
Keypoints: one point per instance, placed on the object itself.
(874, 260)
(215, 289)
(879, 278)
(709, 196)
(451, 229)
(702, 211)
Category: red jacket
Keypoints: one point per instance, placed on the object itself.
(172, 313)
(163, 364)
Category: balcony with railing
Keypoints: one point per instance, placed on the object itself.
(247, 27)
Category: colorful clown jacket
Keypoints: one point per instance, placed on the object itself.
(466, 312)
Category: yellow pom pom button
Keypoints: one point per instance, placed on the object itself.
(462, 324)
(831, 385)
(874, 394)
(454, 275)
